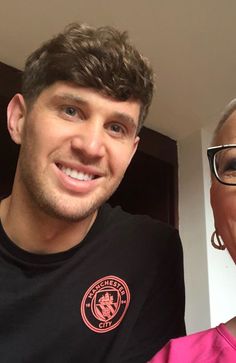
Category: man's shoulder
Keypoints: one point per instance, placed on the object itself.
(139, 224)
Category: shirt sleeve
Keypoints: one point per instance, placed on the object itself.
(163, 355)
(162, 315)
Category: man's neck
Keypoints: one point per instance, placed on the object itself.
(39, 233)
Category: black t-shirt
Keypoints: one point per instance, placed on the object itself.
(116, 297)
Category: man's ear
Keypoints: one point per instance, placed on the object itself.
(16, 112)
(136, 142)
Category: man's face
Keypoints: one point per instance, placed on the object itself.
(76, 145)
(223, 197)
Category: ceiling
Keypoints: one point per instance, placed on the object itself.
(190, 43)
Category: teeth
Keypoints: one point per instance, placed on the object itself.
(76, 175)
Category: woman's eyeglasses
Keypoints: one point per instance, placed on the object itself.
(222, 161)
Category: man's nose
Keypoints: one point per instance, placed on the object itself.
(90, 139)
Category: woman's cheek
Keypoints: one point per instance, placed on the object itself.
(222, 205)
(223, 201)
(217, 197)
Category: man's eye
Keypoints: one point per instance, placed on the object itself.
(117, 129)
(71, 111)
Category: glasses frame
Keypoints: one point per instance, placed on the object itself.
(211, 151)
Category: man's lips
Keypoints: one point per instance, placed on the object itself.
(77, 175)
(81, 173)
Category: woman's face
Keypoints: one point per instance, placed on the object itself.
(223, 197)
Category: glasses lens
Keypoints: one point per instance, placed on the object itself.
(225, 165)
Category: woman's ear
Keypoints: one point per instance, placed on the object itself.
(16, 112)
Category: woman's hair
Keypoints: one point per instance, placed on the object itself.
(100, 58)
(227, 112)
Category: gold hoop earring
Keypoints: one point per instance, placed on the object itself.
(217, 241)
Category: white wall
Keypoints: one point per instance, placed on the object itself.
(210, 275)
(193, 232)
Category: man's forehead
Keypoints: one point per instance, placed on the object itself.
(74, 90)
(129, 109)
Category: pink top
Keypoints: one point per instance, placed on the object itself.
(214, 345)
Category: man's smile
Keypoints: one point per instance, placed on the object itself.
(77, 175)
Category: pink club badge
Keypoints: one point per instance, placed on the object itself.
(105, 303)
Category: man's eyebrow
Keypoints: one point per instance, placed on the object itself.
(126, 119)
(69, 97)
(120, 116)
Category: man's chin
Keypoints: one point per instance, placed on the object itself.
(69, 212)
(69, 208)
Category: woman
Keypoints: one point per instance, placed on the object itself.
(216, 344)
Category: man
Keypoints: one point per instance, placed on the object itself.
(80, 281)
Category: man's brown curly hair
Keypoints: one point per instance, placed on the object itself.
(100, 58)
